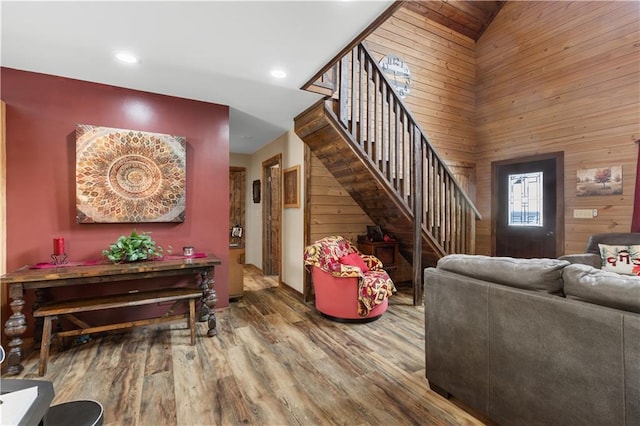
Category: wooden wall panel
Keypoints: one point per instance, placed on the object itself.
(442, 92)
(561, 76)
(333, 211)
(545, 77)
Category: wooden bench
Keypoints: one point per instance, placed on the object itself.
(67, 308)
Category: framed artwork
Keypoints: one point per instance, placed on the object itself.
(236, 231)
(256, 191)
(601, 181)
(129, 176)
(291, 179)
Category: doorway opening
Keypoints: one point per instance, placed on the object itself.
(272, 216)
(528, 206)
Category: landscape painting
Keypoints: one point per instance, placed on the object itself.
(601, 181)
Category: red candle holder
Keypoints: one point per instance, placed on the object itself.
(59, 259)
(59, 255)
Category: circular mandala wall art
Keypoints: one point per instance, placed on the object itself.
(128, 176)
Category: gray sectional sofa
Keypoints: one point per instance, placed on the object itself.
(534, 341)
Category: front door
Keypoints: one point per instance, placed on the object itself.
(528, 200)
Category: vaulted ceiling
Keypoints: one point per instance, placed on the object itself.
(214, 51)
(470, 18)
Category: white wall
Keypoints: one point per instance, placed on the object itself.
(240, 160)
(293, 219)
(292, 150)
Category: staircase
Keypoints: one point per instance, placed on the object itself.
(367, 138)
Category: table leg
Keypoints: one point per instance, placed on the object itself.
(209, 299)
(203, 315)
(15, 327)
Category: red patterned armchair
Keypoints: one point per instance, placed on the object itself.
(348, 285)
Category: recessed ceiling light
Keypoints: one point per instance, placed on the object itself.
(126, 57)
(278, 74)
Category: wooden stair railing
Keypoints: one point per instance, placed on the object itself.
(381, 125)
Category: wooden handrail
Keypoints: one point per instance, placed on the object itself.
(358, 39)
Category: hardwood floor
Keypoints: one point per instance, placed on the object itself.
(275, 361)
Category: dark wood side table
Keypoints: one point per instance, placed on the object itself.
(386, 251)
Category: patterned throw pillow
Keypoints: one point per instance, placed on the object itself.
(354, 259)
(621, 259)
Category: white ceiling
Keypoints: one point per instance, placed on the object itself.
(213, 51)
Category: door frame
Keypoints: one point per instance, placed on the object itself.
(558, 156)
(266, 164)
(4, 307)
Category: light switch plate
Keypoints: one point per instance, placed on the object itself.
(583, 213)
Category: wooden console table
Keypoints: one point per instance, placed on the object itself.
(25, 279)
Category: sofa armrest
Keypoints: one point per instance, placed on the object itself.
(584, 258)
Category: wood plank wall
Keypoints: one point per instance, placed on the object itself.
(334, 212)
(442, 91)
(561, 76)
(545, 77)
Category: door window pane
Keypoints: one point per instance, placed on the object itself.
(525, 199)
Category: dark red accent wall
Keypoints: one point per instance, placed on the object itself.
(41, 114)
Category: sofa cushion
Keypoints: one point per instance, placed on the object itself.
(532, 274)
(623, 259)
(589, 284)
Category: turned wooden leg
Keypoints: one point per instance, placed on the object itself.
(204, 286)
(15, 328)
(210, 299)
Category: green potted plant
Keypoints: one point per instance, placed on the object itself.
(133, 248)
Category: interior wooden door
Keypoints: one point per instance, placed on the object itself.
(237, 197)
(272, 216)
(528, 207)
